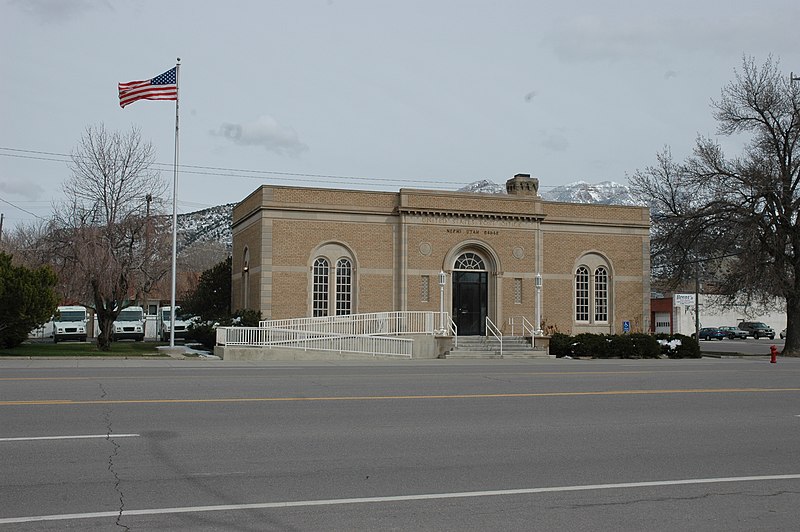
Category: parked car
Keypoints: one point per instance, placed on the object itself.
(708, 333)
(757, 329)
(783, 334)
(734, 332)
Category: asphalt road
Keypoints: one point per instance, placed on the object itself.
(709, 444)
(746, 347)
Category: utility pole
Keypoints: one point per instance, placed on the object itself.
(2, 215)
(697, 301)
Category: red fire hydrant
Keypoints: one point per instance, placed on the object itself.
(773, 354)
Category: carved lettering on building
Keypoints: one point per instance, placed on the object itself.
(472, 231)
(469, 221)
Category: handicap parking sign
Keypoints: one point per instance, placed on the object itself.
(626, 326)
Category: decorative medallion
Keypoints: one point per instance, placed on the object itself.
(518, 253)
(425, 249)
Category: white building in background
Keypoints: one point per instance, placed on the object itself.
(714, 313)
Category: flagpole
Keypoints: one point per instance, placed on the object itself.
(174, 214)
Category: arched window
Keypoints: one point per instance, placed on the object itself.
(593, 290)
(321, 271)
(469, 261)
(582, 294)
(333, 281)
(601, 294)
(344, 287)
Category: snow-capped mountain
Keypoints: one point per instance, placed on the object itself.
(207, 225)
(484, 186)
(605, 193)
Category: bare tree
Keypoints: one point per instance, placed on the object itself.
(105, 242)
(738, 216)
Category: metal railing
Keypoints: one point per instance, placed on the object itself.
(452, 328)
(492, 329)
(372, 323)
(305, 340)
(373, 332)
(524, 325)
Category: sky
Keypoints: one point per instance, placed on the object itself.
(372, 94)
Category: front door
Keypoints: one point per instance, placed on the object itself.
(470, 299)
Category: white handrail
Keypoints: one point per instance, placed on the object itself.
(453, 330)
(375, 331)
(498, 335)
(289, 338)
(526, 326)
(394, 322)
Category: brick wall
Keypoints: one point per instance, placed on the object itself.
(363, 222)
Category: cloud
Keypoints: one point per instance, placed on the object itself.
(530, 96)
(660, 36)
(591, 38)
(52, 11)
(670, 74)
(555, 142)
(26, 189)
(263, 131)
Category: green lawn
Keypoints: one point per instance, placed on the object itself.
(88, 349)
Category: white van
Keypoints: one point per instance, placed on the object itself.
(69, 323)
(129, 324)
(164, 319)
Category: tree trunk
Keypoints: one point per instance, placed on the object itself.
(106, 325)
(792, 345)
(105, 319)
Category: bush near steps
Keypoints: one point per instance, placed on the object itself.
(636, 345)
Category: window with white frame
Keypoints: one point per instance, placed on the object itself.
(332, 282)
(344, 286)
(582, 294)
(592, 290)
(321, 271)
(601, 294)
(469, 261)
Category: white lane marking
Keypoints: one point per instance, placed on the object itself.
(83, 437)
(391, 498)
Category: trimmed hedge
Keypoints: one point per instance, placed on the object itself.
(635, 345)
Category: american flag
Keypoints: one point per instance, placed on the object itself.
(162, 87)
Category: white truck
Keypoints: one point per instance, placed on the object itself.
(69, 323)
(129, 324)
(164, 324)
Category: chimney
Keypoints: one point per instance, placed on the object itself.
(523, 185)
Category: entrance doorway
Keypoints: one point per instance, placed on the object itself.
(470, 294)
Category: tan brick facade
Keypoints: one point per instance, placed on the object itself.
(392, 247)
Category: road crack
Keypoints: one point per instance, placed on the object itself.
(111, 458)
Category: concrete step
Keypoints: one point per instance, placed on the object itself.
(459, 354)
(476, 347)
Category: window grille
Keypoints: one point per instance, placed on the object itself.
(601, 294)
(469, 261)
(425, 288)
(343, 287)
(517, 291)
(320, 289)
(582, 294)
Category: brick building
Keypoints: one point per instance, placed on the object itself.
(310, 251)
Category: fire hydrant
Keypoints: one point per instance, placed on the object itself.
(773, 354)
